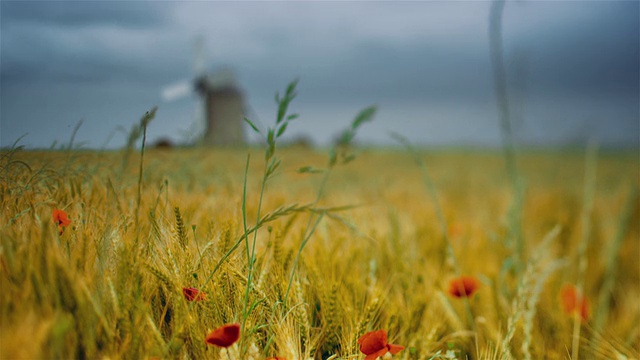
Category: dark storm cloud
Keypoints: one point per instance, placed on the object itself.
(427, 71)
(81, 42)
(78, 14)
(34, 58)
(598, 55)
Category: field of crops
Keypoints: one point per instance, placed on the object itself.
(130, 255)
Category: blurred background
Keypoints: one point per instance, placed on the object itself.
(572, 69)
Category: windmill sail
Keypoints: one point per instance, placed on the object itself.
(176, 91)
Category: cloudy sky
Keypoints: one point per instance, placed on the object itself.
(572, 68)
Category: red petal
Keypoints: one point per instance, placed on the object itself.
(60, 217)
(224, 336)
(574, 302)
(568, 296)
(373, 342)
(376, 354)
(471, 284)
(463, 286)
(394, 349)
(193, 294)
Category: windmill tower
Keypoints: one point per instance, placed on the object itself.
(220, 109)
(224, 109)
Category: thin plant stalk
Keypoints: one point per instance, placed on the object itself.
(144, 122)
(509, 149)
(591, 159)
(309, 230)
(365, 115)
(251, 259)
(441, 220)
(604, 298)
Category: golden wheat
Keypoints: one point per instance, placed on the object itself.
(110, 286)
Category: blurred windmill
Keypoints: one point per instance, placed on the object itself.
(219, 106)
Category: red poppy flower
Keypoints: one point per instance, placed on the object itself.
(60, 218)
(574, 303)
(224, 336)
(193, 294)
(374, 344)
(464, 286)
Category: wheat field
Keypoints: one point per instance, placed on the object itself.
(322, 257)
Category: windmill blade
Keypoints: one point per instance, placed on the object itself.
(199, 68)
(177, 90)
(200, 74)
